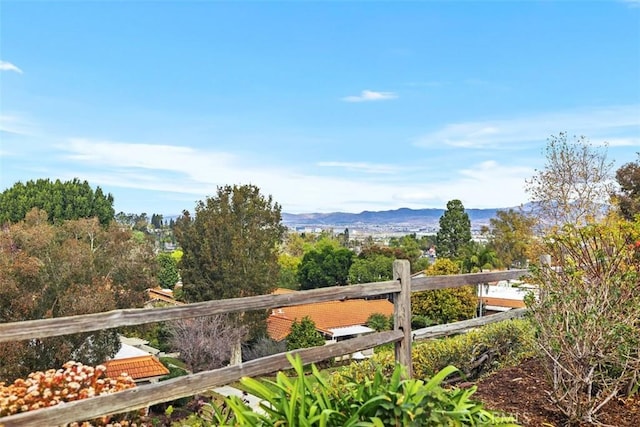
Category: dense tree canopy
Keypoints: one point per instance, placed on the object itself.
(575, 185)
(455, 230)
(511, 235)
(230, 247)
(628, 198)
(61, 200)
(74, 267)
(325, 266)
(168, 274)
(373, 268)
(444, 305)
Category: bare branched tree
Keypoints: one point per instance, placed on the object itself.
(205, 342)
(575, 184)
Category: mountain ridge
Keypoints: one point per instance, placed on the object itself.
(400, 216)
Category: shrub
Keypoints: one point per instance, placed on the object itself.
(587, 315)
(474, 352)
(304, 334)
(381, 401)
(74, 381)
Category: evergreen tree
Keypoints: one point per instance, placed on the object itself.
(303, 335)
(455, 230)
(628, 198)
(230, 248)
(61, 200)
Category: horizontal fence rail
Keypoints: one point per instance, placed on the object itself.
(431, 283)
(464, 325)
(144, 396)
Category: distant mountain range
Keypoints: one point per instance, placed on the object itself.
(397, 217)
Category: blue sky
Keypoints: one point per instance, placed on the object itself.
(332, 106)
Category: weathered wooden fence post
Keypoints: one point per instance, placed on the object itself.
(402, 313)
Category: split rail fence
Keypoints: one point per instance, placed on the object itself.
(151, 394)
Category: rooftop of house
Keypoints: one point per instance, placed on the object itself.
(141, 367)
(327, 316)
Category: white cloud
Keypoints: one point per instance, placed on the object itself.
(619, 125)
(361, 167)
(15, 124)
(8, 66)
(194, 174)
(370, 95)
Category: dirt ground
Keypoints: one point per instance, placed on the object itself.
(520, 391)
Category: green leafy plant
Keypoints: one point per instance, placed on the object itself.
(377, 402)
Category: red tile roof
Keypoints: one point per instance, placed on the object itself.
(326, 315)
(138, 368)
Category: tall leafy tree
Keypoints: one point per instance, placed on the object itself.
(326, 266)
(230, 248)
(168, 274)
(374, 268)
(511, 235)
(61, 200)
(455, 230)
(628, 197)
(575, 185)
(76, 267)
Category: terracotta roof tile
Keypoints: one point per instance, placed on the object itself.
(326, 315)
(138, 368)
(503, 302)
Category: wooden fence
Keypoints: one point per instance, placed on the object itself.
(146, 395)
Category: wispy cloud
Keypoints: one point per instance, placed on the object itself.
(8, 66)
(632, 3)
(192, 174)
(361, 167)
(370, 95)
(619, 125)
(14, 124)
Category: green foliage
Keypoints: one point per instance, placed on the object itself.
(497, 344)
(304, 334)
(61, 200)
(379, 322)
(455, 230)
(628, 196)
(510, 236)
(288, 277)
(477, 257)
(445, 305)
(377, 402)
(230, 248)
(587, 315)
(75, 267)
(168, 274)
(374, 268)
(325, 266)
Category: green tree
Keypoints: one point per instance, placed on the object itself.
(168, 274)
(511, 235)
(455, 230)
(374, 268)
(477, 257)
(69, 268)
(288, 271)
(445, 305)
(303, 335)
(61, 200)
(628, 196)
(230, 249)
(379, 322)
(575, 185)
(324, 267)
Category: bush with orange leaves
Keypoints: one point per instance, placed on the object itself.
(74, 381)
